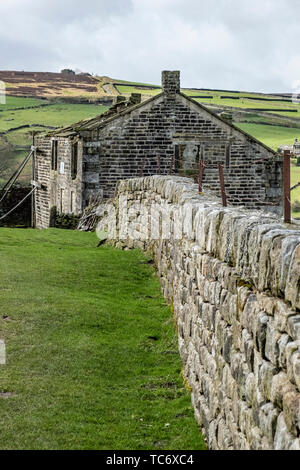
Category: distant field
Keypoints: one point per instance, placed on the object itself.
(13, 102)
(269, 120)
(91, 363)
(295, 194)
(281, 107)
(54, 115)
(273, 136)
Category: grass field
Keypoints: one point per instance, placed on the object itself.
(273, 136)
(91, 363)
(13, 102)
(282, 108)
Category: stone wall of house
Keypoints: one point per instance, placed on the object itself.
(232, 277)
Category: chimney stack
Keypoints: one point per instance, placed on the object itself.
(170, 81)
(135, 98)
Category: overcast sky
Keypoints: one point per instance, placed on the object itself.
(233, 44)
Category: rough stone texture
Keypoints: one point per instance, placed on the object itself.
(231, 277)
(178, 129)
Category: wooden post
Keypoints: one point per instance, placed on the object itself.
(222, 185)
(171, 165)
(287, 185)
(200, 175)
(142, 168)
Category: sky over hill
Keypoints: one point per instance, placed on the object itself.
(233, 44)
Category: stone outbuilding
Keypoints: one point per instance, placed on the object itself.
(168, 133)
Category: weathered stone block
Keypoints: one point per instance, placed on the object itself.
(272, 348)
(261, 332)
(267, 422)
(283, 439)
(293, 327)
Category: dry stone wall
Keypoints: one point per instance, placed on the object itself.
(232, 277)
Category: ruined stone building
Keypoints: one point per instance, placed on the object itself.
(169, 132)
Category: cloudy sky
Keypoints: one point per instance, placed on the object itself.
(233, 44)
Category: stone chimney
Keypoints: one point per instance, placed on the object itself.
(170, 83)
(135, 98)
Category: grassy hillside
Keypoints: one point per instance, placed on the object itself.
(35, 115)
(273, 136)
(91, 364)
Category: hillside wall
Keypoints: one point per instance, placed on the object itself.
(232, 277)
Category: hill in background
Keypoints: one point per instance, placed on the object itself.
(54, 85)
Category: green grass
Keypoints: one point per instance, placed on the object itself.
(244, 101)
(124, 89)
(13, 102)
(273, 136)
(126, 82)
(251, 104)
(92, 359)
(270, 120)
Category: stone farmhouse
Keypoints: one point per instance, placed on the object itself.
(168, 133)
(294, 149)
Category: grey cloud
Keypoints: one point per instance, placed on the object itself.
(249, 45)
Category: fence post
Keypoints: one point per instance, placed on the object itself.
(222, 185)
(200, 175)
(171, 165)
(142, 168)
(158, 163)
(287, 185)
